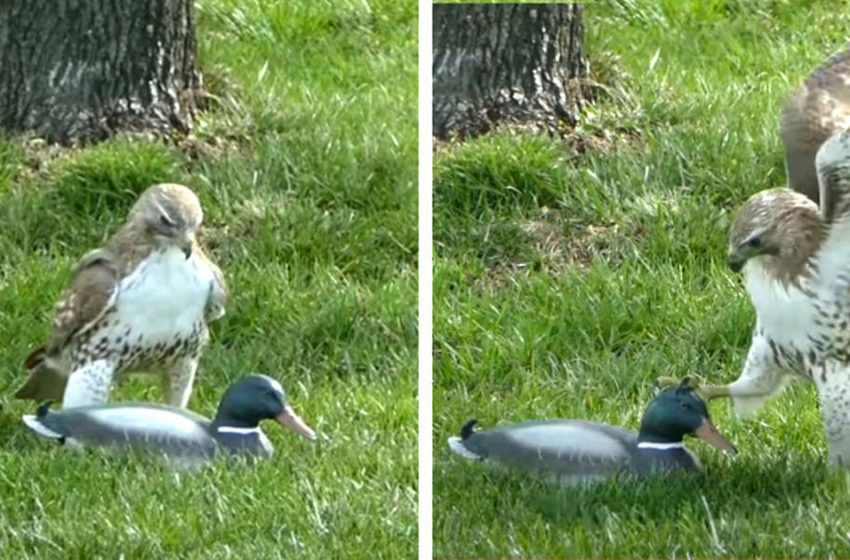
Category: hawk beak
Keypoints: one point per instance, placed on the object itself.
(187, 243)
(736, 263)
(709, 433)
(289, 419)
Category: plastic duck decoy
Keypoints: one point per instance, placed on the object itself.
(577, 451)
(175, 432)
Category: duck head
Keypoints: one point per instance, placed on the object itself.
(256, 398)
(676, 412)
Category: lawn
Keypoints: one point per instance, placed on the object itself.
(306, 167)
(571, 273)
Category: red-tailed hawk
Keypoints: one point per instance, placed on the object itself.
(816, 110)
(796, 264)
(140, 303)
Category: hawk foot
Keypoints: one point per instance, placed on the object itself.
(707, 392)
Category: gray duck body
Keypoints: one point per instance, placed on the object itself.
(172, 432)
(576, 450)
(573, 451)
(175, 432)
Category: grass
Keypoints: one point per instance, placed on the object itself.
(306, 167)
(567, 281)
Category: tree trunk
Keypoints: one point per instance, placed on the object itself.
(521, 63)
(83, 69)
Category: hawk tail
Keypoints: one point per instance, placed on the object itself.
(45, 382)
(36, 358)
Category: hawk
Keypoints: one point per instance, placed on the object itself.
(816, 110)
(143, 302)
(795, 259)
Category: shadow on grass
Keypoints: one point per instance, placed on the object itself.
(778, 481)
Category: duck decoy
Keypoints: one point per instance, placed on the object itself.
(175, 432)
(577, 451)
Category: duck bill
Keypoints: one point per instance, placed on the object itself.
(289, 419)
(709, 433)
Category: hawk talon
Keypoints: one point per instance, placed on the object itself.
(666, 381)
(706, 392)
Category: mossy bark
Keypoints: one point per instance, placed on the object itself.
(74, 70)
(506, 62)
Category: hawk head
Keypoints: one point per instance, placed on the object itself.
(168, 215)
(780, 227)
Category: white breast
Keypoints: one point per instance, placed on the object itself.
(834, 265)
(166, 294)
(785, 313)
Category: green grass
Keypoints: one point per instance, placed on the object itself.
(566, 283)
(306, 167)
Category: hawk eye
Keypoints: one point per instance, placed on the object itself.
(166, 221)
(754, 242)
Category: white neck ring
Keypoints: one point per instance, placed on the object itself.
(653, 445)
(233, 430)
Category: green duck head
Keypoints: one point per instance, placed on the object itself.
(258, 397)
(676, 412)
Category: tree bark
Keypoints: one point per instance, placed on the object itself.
(521, 63)
(75, 70)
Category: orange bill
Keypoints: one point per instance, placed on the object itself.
(294, 422)
(709, 433)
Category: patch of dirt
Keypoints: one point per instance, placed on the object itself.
(587, 138)
(39, 156)
(246, 222)
(608, 242)
(210, 147)
(556, 251)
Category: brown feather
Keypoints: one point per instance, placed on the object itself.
(816, 110)
(833, 167)
(218, 297)
(43, 383)
(35, 358)
(86, 300)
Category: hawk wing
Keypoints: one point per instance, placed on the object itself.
(833, 168)
(92, 293)
(218, 289)
(813, 112)
(833, 383)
